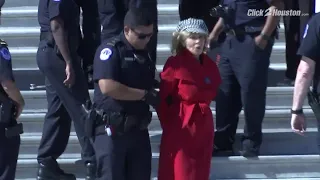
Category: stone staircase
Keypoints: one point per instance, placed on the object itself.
(284, 155)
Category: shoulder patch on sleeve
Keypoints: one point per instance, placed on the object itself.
(305, 31)
(105, 54)
(5, 54)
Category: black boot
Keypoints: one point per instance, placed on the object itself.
(52, 171)
(250, 148)
(91, 171)
(223, 146)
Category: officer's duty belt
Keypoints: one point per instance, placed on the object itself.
(48, 36)
(244, 30)
(123, 123)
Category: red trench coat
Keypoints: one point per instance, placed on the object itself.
(187, 89)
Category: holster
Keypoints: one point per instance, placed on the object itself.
(90, 119)
(14, 129)
(7, 109)
(121, 123)
(313, 100)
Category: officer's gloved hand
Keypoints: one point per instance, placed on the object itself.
(152, 98)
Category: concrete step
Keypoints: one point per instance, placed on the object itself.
(168, 13)
(277, 97)
(32, 75)
(26, 76)
(19, 34)
(25, 56)
(29, 36)
(21, 16)
(278, 139)
(263, 167)
(18, 3)
(274, 118)
(26, 16)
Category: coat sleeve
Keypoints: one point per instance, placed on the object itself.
(216, 79)
(168, 86)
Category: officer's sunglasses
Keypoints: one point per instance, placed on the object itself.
(142, 36)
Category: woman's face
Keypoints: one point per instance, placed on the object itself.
(195, 44)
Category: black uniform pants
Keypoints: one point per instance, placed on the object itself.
(125, 157)
(9, 151)
(64, 106)
(294, 30)
(244, 82)
(112, 13)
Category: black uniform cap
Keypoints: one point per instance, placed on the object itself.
(138, 17)
(2, 3)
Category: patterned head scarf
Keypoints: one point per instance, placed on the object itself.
(192, 25)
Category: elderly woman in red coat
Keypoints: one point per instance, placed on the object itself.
(189, 82)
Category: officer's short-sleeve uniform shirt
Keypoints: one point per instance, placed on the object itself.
(5, 64)
(310, 46)
(68, 10)
(119, 63)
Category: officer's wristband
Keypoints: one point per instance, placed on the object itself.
(297, 112)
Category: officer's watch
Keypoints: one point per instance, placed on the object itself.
(265, 37)
(297, 112)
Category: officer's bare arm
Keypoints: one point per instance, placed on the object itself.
(13, 92)
(119, 91)
(59, 35)
(217, 29)
(303, 81)
(272, 21)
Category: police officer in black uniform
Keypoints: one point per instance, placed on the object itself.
(244, 73)
(66, 87)
(124, 74)
(294, 28)
(91, 30)
(309, 68)
(10, 96)
(112, 14)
